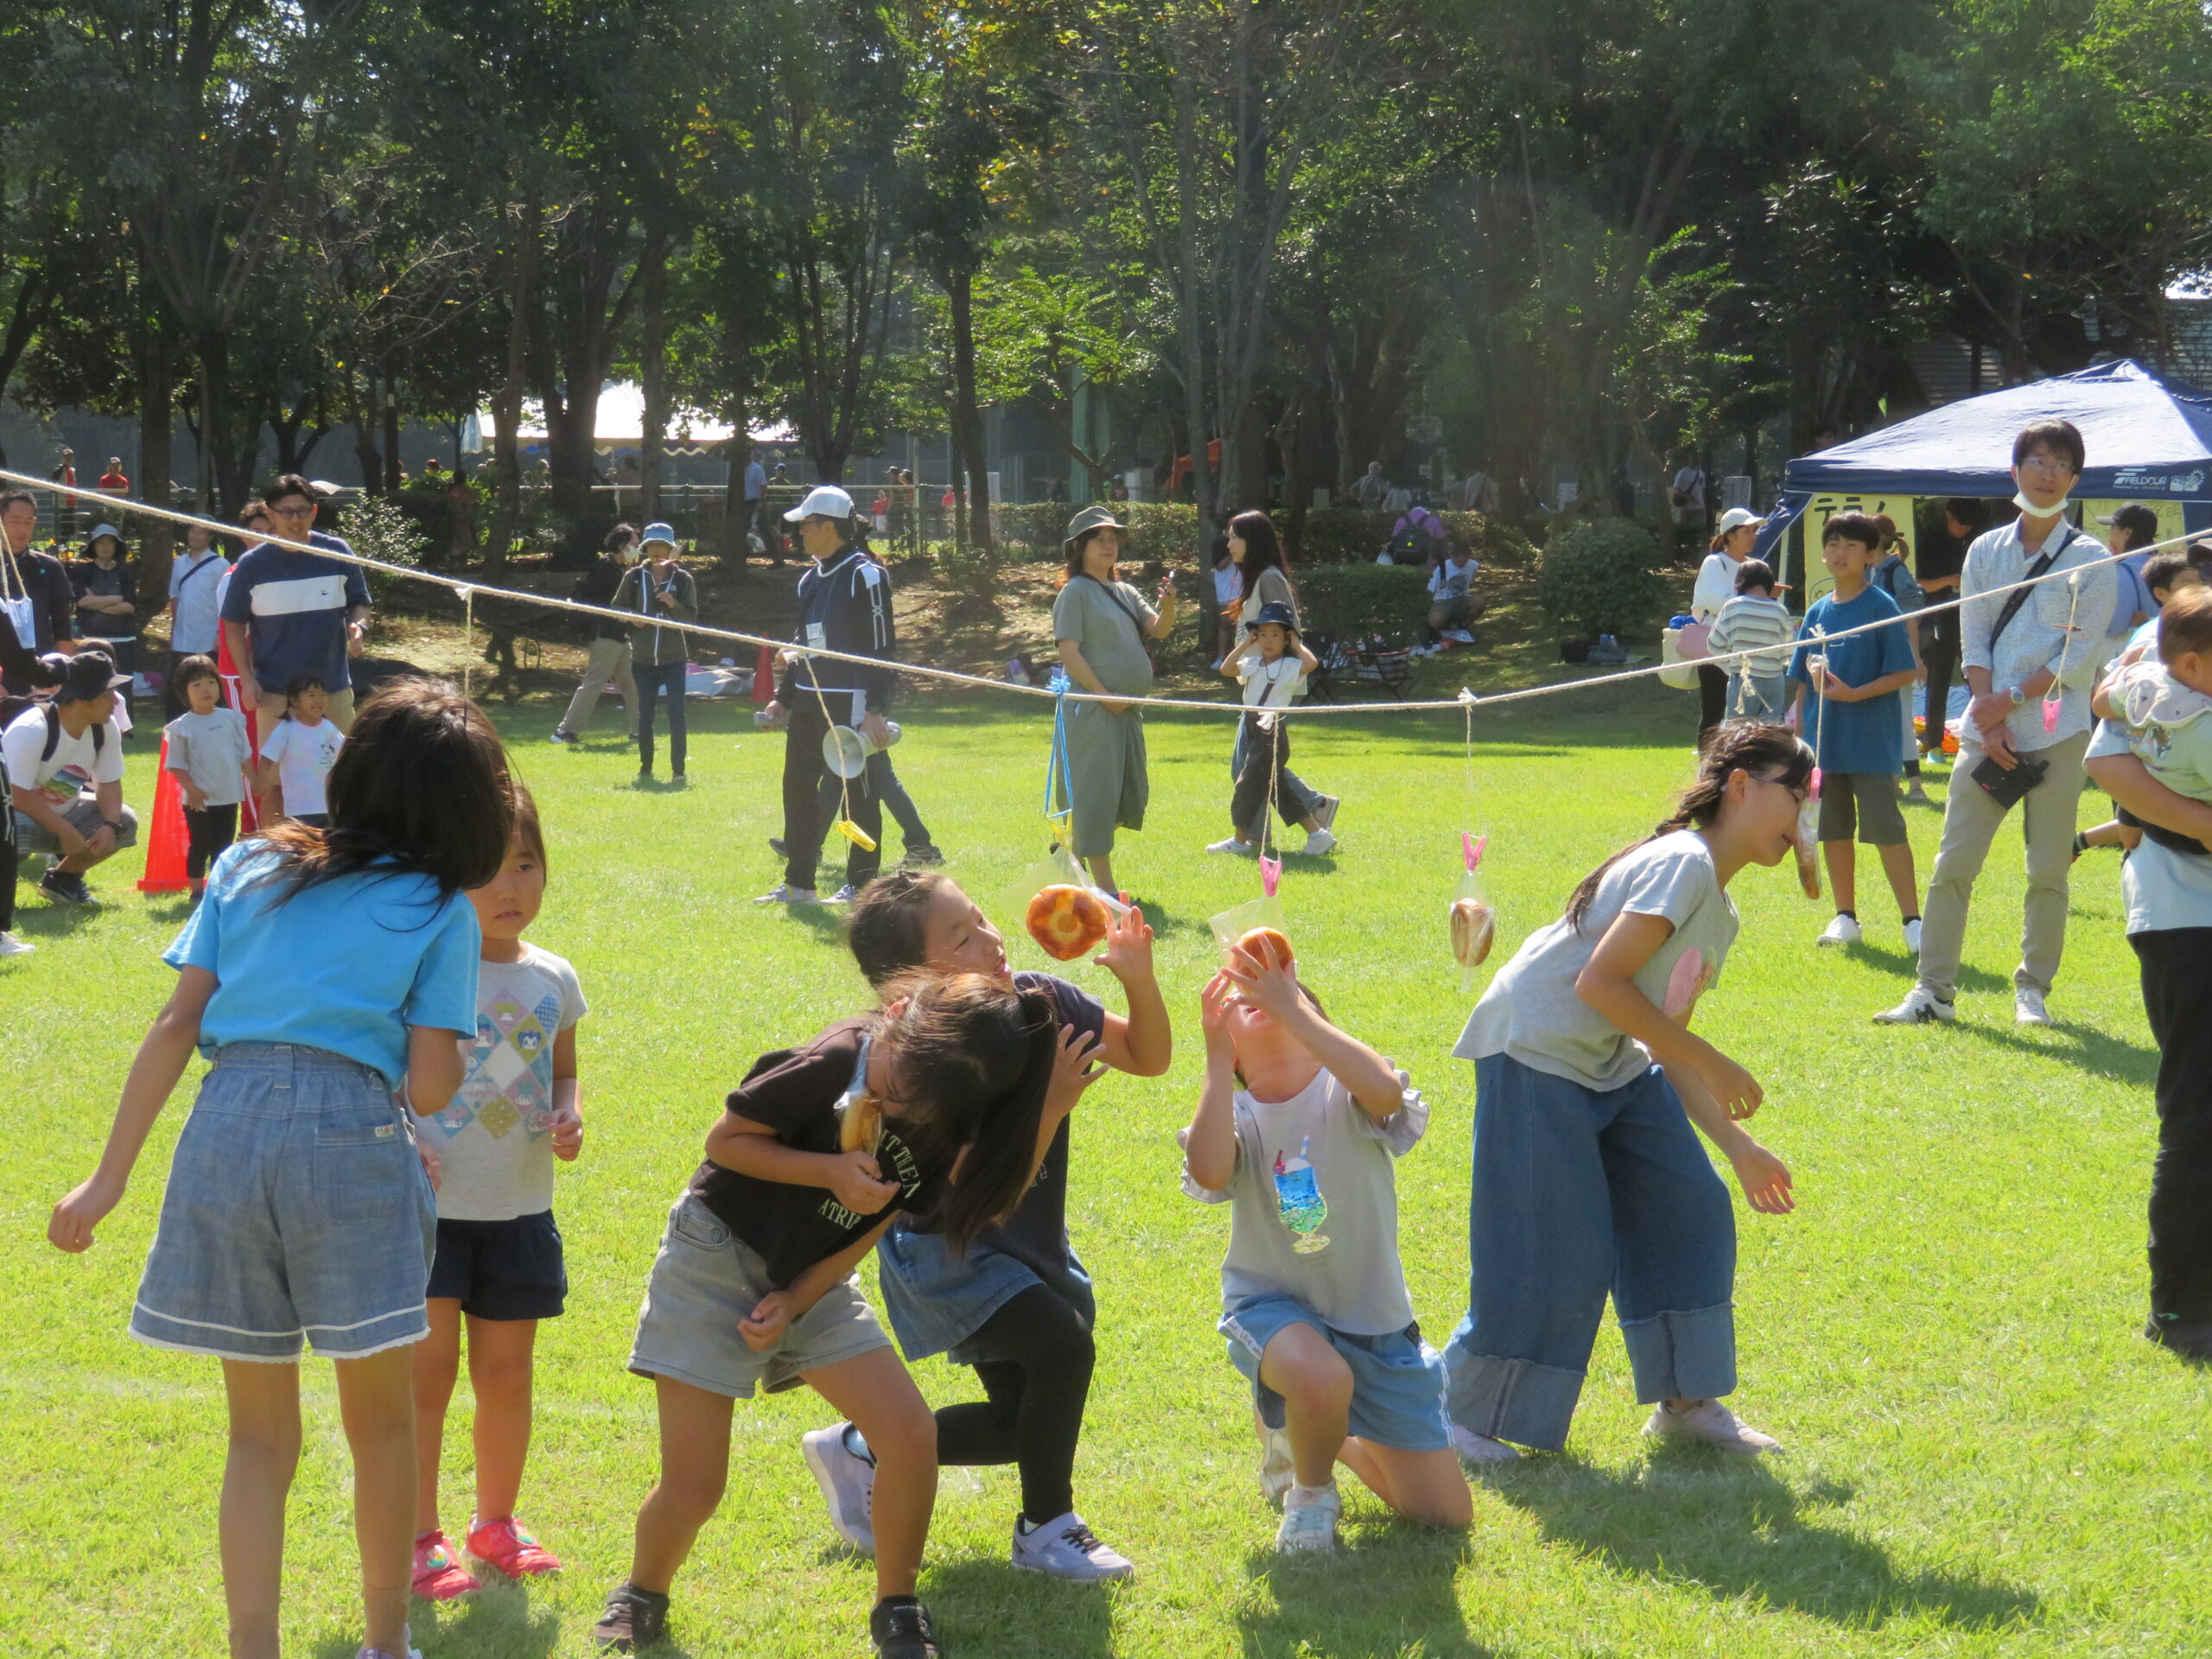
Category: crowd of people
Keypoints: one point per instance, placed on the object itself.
(399, 864)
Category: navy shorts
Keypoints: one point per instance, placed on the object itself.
(501, 1269)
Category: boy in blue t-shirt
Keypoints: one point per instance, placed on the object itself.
(1854, 722)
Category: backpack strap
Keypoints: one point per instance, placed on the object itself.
(52, 711)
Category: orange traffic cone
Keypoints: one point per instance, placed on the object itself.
(165, 840)
(764, 675)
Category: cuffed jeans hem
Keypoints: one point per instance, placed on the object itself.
(1515, 1400)
(1685, 1356)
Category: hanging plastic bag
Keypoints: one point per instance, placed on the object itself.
(1474, 918)
(1808, 815)
(1231, 926)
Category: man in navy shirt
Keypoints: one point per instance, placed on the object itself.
(287, 613)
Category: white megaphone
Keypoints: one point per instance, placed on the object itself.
(845, 751)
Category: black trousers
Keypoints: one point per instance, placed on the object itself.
(806, 818)
(1939, 653)
(1712, 698)
(1035, 1384)
(896, 801)
(1265, 753)
(207, 831)
(2176, 966)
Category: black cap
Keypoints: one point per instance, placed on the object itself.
(2141, 522)
(89, 673)
(1277, 612)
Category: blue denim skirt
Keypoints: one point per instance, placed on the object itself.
(936, 1298)
(297, 1213)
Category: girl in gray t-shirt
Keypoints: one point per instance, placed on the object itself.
(1587, 1178)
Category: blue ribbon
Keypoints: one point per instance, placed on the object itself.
(1056, 765)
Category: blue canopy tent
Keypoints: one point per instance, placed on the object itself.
(2147, 440)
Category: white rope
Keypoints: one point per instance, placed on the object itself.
(953, 678)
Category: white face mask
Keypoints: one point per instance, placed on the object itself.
(2020, 500)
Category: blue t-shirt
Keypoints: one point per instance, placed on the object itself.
(297, 604)
(1868, 735)
(346, 966)
(2134, 593)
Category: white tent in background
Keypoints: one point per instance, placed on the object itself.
(620, 426)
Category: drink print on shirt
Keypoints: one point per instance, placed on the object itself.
(510, 1071)
(1299, 1201)
(1686, 984)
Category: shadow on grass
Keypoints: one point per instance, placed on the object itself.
(2084, 1046)
(497, 1619)
(1389, 1590)
(992, 1606)
(1731, 1529)
(1904, 964)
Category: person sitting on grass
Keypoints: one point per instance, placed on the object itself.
(64, 765)
(1758, 687)
(2165, 573)
(207, 749)
(1272, 664)
(1298, 1130)
(1853, 722)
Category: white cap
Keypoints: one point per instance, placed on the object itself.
(1736, 518)
(824, 501)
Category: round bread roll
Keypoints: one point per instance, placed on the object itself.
(1474, 928)
(1264, 944)
(1067, 921)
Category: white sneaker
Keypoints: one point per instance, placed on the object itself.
(1913, 936)
(1920, 1006)
(848, 1483)
(1277, 1472)
(1841, 930)
(1066, 1548)
(784, 894)
(1713, 1424)
(12, 946)
(1479, 1449)
(845, 895)
(2028, 1009)
(1309, 1520)
(1242, 848)
(1318, 842)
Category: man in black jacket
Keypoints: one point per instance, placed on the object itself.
(34, 586)
(844, 601)
(610, 640)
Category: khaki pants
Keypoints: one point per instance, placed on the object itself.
(339, 710)
(610, 660)
(1970, 823)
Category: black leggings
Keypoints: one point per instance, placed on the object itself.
(2176, 966)
(1712, 698)
(1037, 1380)
(207, 831)
(1939, 652)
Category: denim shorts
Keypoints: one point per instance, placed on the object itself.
(509, 1269)
(1397, 1380)
(706, 1281)
(937, 1297)
(296, 1211)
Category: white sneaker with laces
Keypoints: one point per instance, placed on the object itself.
(1712, 1423)
(1277, 1472)
(1920, 1006)
(1479, 1449)
(2028, 1009)
(1240, 848)
(1065, 1548)
(845, 896)
(1309, 1520)
(12, 946)
(784, 894)
(1913, 936)
(1318, 842)
(847, 1484)
(1841, 930)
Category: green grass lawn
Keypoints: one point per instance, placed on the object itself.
(1983, 1455)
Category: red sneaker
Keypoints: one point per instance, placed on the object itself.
(506, 1546)
(437, 1576)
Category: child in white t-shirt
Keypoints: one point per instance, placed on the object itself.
(2167, 575)
(2164, 697)
(498, 1262)
(1298, 1130)
(298, 754)
(1272, 666)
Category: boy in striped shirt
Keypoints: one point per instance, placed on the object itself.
(1758, 687)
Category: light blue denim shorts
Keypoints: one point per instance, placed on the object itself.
(296, 1213)
(1397, 1380)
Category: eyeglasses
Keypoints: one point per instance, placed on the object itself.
(2043, 463)
(305, 510)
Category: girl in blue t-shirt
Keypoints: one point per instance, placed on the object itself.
(324, 969)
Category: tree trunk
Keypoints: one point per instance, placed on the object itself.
(1189, 292)
(652, 354)
(156, 388)
(966, 419)
(506, 396)
(361, 412)
(226, 463)
(394, 467)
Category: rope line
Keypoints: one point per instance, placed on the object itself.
(953, 677)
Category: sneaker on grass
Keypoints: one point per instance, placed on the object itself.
(847, 1480)
(1318, 842)
(1841, 930)
(784, 894)
(1710, 1423)
(1240, 848)
(1479, 1451)
(9, 945)
(507, 1548)
(66, 887)
(1309, 1520)
(845, 896)
(562, 735)
(1064, 1547)
(634, 1619)
(927, 855)
(437, 1575)
(1920, 1008)
(2028, 1009)
(900, 1629)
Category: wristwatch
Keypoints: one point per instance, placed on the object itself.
(2018, 696)
(113, 825)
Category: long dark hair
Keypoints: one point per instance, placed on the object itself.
(1263, 548)
(887, 927)
(1773, 754)
(422, 782)
(975, 1060)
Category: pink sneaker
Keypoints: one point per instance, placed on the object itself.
(508, 1549)
(437, 1576)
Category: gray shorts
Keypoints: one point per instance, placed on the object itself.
(705, 1281)
(82, 815)
(1876, 815)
